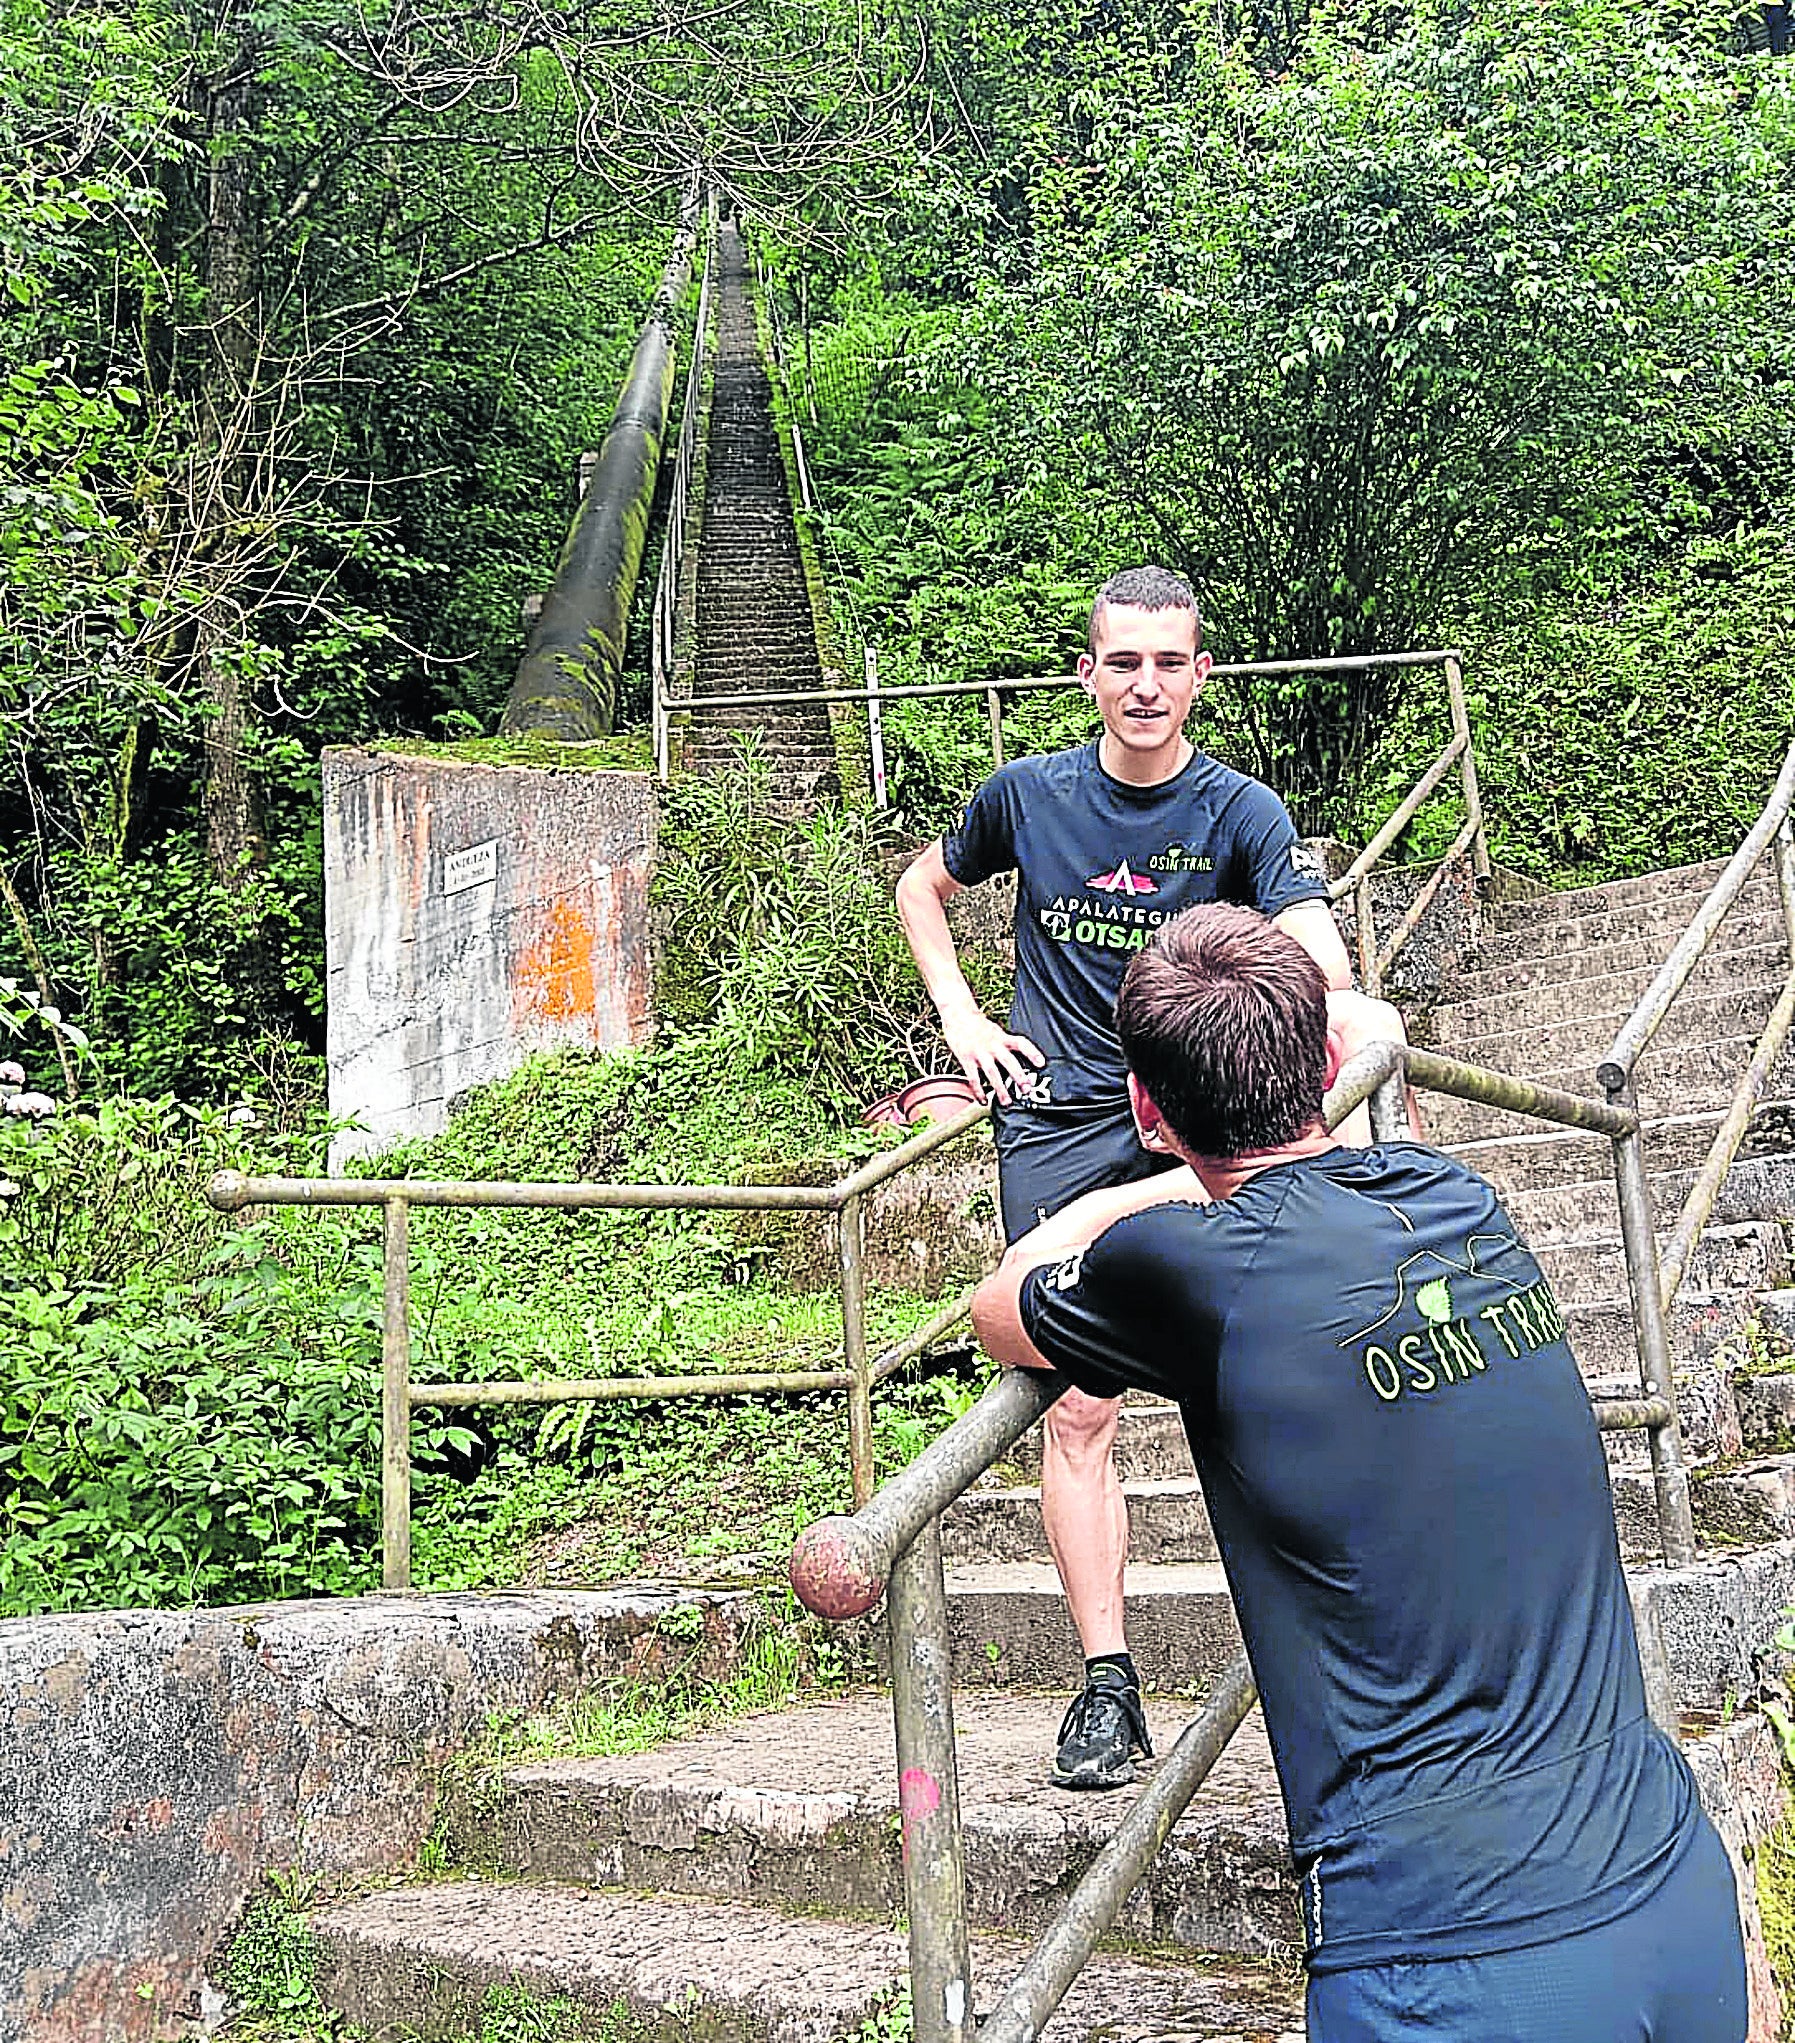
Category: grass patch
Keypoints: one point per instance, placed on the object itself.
(623, 752)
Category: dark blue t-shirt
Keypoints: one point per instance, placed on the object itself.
(1100, 865)
(1410, 1497)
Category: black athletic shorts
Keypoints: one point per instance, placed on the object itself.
(1048, 1156)
(1670, 1971)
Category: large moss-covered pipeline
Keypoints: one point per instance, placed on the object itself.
(566, 685)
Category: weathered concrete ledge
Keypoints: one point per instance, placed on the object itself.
(154, 1764)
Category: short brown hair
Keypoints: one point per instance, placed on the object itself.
(1147, 588)
(1224, 1020)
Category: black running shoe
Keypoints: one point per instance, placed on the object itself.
(1103, 1731)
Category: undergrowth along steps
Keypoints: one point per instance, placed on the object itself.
(742, 1884)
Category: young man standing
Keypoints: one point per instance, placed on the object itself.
(1107, 842)
(1494, 1841)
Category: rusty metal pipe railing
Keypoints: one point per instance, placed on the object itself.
(1670, 1473)
(234, 1191)
(1401, 816)
(1616, 1068)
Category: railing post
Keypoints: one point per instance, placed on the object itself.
(994, 711)
(395, 1396)
(1371, 980)
(852, 1238)
(929, 1792)
(1670, 1473)
(1785, 880)
(1467, 766)
(1390, 1109)
(875, 725)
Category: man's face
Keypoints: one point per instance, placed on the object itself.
(1143, 673)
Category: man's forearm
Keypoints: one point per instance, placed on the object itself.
(997, 1304)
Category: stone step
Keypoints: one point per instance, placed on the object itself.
(1766, 1409)
(1580, 1044)
(1757, 1188)
(1552, 995)
(1167, 1521)
(1744, 1256)
(1689, 883)
(1681, 1142)
(798, 1811)
(425, 1961)
(1555, 954)
(1747, 1503)
(1010, 1627)
(1603, 1340)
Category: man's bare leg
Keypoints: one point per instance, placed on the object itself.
(1085, 1515)
(1087, 1527)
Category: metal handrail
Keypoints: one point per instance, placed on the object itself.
(1615, 1071)
(1616, 1068)
(232, 1191)
(840, 1567)
(1376, 960)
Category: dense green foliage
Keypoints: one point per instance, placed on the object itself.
(1420, 328)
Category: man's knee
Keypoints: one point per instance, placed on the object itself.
(1081, 1429)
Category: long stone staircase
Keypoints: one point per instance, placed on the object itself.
(755, 626)
(741, 1885)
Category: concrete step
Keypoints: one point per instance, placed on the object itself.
(424, 1961)
(1010, 1627)
(798, 1811)
(1549, 994)
(1167, 1522)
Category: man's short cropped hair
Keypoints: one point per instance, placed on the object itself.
(1224, 1020)
(1146, 588)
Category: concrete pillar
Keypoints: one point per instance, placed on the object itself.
(474, 915)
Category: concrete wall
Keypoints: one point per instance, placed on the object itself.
(473, 915)
(154, 1764)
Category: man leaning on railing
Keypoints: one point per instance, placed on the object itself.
(1408, 1490)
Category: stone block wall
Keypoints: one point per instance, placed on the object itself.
(155, 1764)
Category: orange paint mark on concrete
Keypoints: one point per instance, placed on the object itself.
(553, 980)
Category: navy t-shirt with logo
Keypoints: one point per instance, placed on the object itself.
(1101, 864)
(1410, 1497)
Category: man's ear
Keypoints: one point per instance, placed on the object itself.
(1149, 1123)
(1087, 666)
(1199, 668)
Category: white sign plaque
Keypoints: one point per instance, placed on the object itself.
(474, 867)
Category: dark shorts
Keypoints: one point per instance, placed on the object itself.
(1671, 1971)
(1049, 1156)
